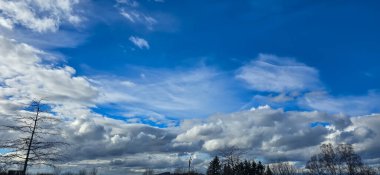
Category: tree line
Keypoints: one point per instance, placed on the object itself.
(338, 160)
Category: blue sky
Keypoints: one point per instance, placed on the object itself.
(338, 38)
(152, 81)
(324, 34)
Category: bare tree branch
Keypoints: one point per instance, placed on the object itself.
(37, 139)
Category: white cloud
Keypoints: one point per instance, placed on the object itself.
(278, 74)
(353, 105)
(131, 10)
(278, 135)
(139, 42)
(286, 82)
(38, 15)
(363, 134)
(130, 3)
(24, 77)
(138, 17)
(179, 93)
(7, 23)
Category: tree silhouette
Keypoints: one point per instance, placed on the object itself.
(283, 168)
(247, 167)
(36, 139)
(253, 169)
(260, 168)
(239, 168)
(214, 168)
(340, 160)
(227, 170)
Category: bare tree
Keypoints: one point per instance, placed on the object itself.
(341, 160)
(367, 170)
(231, 155)
(349, 161)
(283, 168)
(314, 166)
(36, 138)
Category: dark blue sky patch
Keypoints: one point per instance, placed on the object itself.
(337, 38)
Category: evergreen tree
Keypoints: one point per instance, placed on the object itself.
(239, 169)
(214, 168)
(227, 170)
(260, 168)
(253, 169)
(247, 167)
(268, 171)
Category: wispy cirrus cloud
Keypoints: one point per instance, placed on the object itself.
(278, 74)
(139, 42)
(129, 9)
(348, 104)
(180, 93)
(283, 82)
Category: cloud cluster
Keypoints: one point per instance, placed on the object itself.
(278, 135)
(38, 15)
(265, 133)
(24, 76)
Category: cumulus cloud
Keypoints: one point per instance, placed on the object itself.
(272, 134)
(264, 132)
(139, 42)
(103, 138)
(24, 76)
(363, 133)
(38, 15)
(271, 73)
